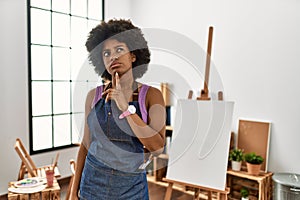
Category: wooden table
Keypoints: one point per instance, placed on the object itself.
(49, 193)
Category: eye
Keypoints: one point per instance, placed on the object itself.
(120, 49)
(106, 53)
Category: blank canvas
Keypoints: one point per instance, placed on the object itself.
(200, 143)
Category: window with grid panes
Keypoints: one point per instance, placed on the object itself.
(57, 32)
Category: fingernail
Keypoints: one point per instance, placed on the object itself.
(117, 74)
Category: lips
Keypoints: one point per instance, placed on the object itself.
(115, 65)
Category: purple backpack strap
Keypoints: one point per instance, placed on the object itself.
(98, 95)
(142, 102)
(141, 99)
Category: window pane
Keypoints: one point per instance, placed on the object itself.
(61, 74)
(41, 98)
(95, 9)
(42, 132)
(77, 127)
(79, 64)
(92, 24)
(61, 64)
(61, 97)
(60, 30)
(79, 7)
(40, 63)
(40, 27)
(79, 92)
(41, 4)
(79, 31)
(61, 6)
(62, 135)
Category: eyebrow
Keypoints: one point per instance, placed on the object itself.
(115, 47)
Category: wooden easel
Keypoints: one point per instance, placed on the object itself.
(204, 92)
(28, 166)
(204, 95)
(221, 194)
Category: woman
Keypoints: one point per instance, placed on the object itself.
(123, 118)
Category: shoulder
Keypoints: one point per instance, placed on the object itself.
(149, 90)
(153, 91)
(90, 96)
(91, 93)
(154, 96)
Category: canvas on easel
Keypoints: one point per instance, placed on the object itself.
(200, 143)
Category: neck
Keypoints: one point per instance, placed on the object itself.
(127, 81)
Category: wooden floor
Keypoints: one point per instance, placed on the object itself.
(156, 191)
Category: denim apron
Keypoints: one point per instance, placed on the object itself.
(114, 156)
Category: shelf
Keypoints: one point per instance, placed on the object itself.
(260, 186)
(160, 162)
(244, 174)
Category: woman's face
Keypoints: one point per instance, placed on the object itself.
(117, 57)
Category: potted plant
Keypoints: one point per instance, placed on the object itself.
(236, 156)
(244, 193)
(253, 162)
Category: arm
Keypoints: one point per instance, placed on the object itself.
(78, 171)
(83, 149)
(152, 135)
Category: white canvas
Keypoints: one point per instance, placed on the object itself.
(200, 143)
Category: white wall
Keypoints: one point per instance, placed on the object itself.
(14, 95)
(256, 51)
(117, 9)
(14, 89)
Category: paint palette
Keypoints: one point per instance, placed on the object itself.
(28, 182)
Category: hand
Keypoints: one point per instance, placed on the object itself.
(115, 93)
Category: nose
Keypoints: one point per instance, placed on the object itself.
(114, 57)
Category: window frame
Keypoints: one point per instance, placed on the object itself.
(30, 80)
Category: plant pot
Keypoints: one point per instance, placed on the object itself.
(245, 198)
(253, 169)
(236, 165)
